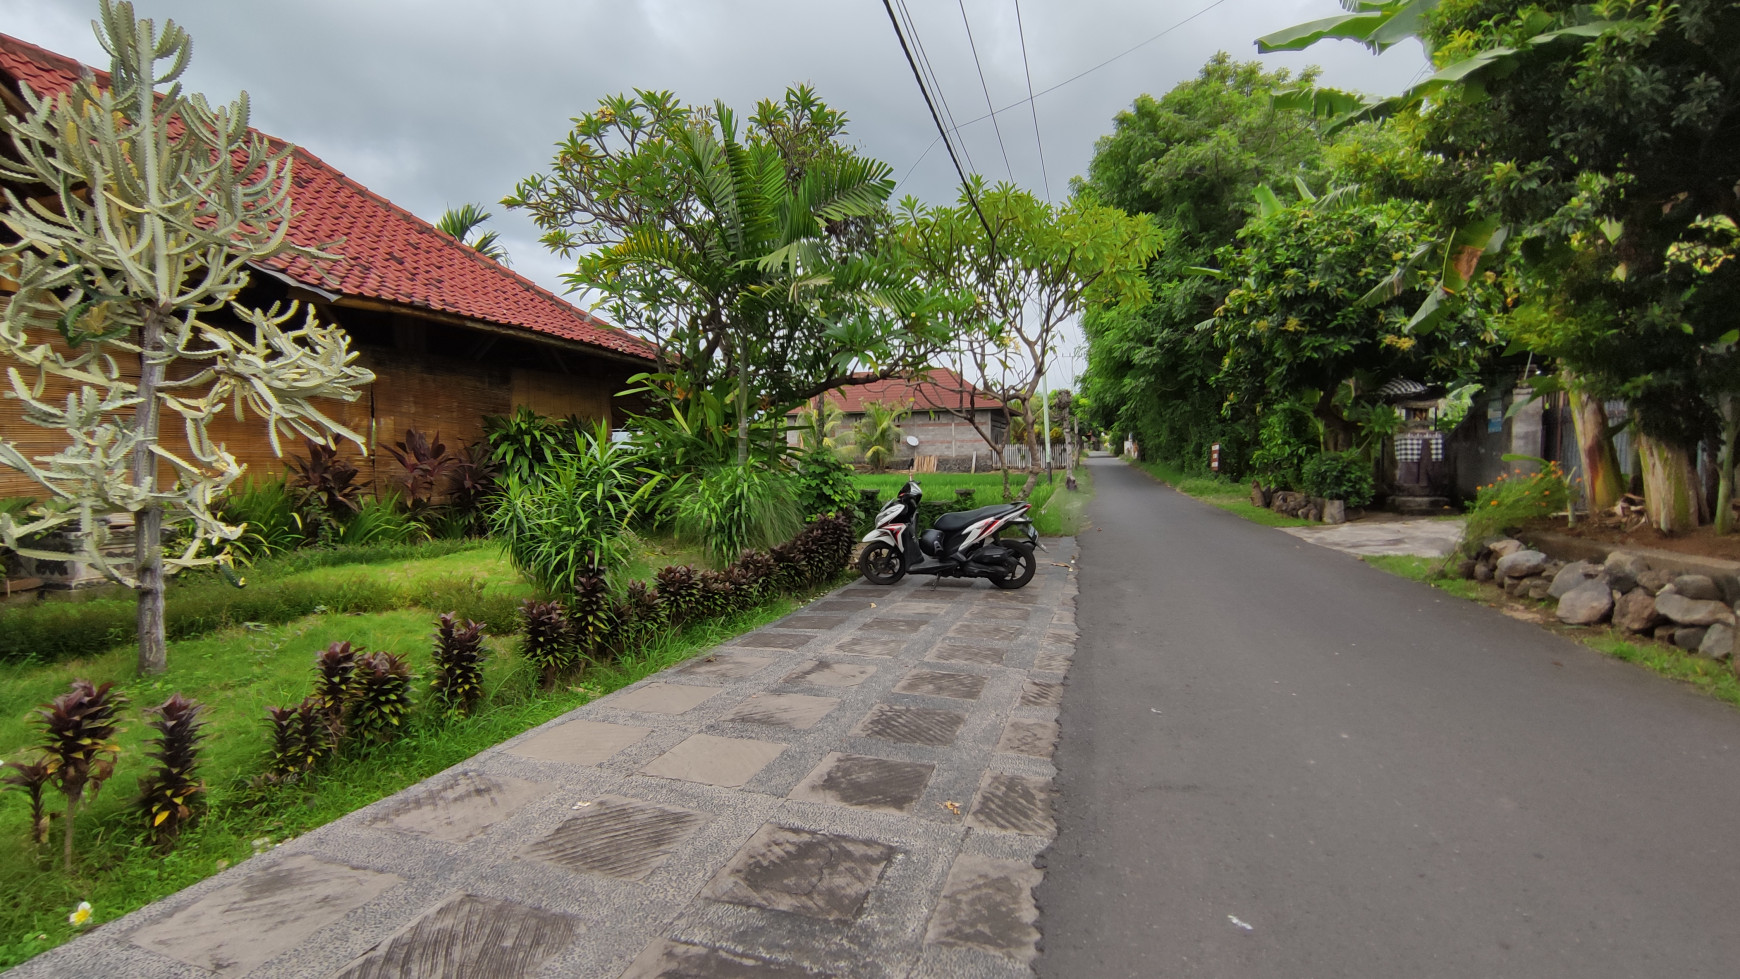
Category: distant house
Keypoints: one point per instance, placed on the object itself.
(942, 409)
(451, 336)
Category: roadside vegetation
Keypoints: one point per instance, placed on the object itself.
(1217, 491)
(1057, 512)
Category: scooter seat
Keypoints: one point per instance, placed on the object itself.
(961, 520)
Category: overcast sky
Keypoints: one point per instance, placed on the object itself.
(433, 103)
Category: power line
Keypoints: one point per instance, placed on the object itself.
(932, 80)
(1027, 68)
(974, 48)
(941, 133)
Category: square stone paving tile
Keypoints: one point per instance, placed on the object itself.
(720, 666)
(470, 937)
(839, 605)
(680, 960)
(864, 782)
(815, 874)
(236, 928)
(809, 621)
(1051, 660)
(883, 623)
(921, 608)
(868, 646)
(911, 725)
(1013, 803)
(988, 904)
(458, 808)
(774, 640)
(1021, 597)
(793, 710)
(617, 837)
(1002, 612)
(942, 683)
(661, 698)
(1061, 637)
(580, 742)
(993, 631)
(824, 673)
(1040, 693)
(986, 653)
(714, 760)
(1025, 736)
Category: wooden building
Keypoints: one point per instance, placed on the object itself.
(450, 335)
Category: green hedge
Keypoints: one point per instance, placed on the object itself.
(46, 632)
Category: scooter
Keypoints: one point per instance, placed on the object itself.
(958, 545)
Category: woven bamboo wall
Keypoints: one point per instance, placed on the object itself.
(433, 394)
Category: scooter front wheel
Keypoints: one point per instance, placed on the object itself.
(880, 564)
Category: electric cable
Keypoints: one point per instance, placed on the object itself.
(935, 83)
(1027, 68)
(986, 88)
(917, 76)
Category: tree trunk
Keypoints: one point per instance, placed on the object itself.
(1670, 485)
(72, 805)
(1602, 484)
(1032, 451)
(1724, 515)
(1069, 444)
(148, 521)
(742, 403)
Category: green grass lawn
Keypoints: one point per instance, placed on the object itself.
(239, 671)
(1056, 511)
(1716, 679)
(1218, 491)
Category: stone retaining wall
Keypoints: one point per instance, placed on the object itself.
(1635, 594)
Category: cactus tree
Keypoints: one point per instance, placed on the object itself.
(136, 214)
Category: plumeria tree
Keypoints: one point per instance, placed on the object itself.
(135, 212)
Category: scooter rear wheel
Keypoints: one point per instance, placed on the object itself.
(1024, 567)
(880, 564)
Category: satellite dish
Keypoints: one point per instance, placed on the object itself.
(912, 440)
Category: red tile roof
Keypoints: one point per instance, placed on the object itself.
(387, 253)
(942, 390)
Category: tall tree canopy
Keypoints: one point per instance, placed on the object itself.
(752, 255)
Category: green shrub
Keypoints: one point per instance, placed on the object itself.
(171, 796)
(736, 508)
(271, 523)
(1339, 476)
(824, 485)
(548, 644)
(1286, 444)
(380, 697)
(678, 594)
(1513, 499)
(572, 516)
(377, 522)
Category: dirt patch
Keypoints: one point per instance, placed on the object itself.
(1702, 542)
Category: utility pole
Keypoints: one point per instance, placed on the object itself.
(1045, 413)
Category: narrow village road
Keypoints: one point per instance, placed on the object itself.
(1277, 761)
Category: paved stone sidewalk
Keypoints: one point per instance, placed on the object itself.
(857, 790)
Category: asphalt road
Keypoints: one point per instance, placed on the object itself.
(1378, 779)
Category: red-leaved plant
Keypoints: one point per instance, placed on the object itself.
(171, 796)
(78, 731)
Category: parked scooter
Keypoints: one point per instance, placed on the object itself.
(958, 545)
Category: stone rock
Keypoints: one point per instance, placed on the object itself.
(1625, 561)
(1690, 637)
(1287, 502)
(1334, 511)
(1586, 604)
(1692, 611)
(1654, 580)
(1570, 576)
(1521, 564)
(1465, 568)
(1697, 586)
(1505, 547)
(1665, 632)
(1635, 611)
(1511, 586)
(1620, 580)
(1483, 571)
(1718, 643)
(1537, 589)
(1259, 496)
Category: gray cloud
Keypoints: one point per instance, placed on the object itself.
(435, 102)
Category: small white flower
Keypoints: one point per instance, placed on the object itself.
(81, 915)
